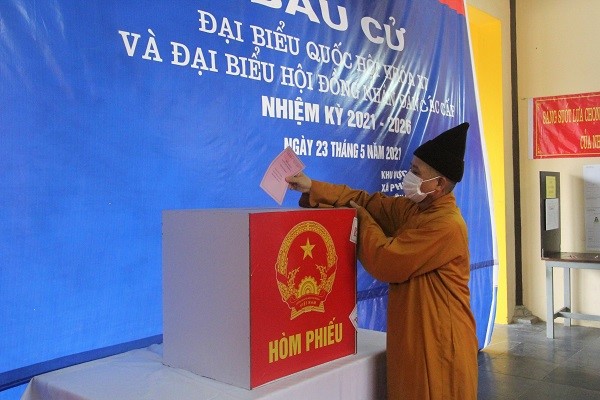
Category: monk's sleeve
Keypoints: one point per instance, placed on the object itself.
(413, 252)
(323, 194)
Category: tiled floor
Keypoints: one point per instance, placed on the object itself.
(521, 363)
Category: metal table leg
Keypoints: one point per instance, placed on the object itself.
(567, 276)
(549, 303)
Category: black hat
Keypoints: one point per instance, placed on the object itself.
(446, 152)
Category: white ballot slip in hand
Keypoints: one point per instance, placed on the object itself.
(285, 164)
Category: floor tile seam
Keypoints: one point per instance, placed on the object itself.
(535, 389)
(566, 385)
(577, 367)
(494, 371)
(574, 360)
(548, 373)
(529, 380)
(585, 368)
(528, 358)
(575, 354)
(489, 349)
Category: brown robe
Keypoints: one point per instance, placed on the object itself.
(424, 255)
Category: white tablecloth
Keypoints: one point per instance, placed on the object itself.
(140, 374)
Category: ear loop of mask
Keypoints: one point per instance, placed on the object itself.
(415, 193)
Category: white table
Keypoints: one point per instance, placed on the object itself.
(140, 375)
(567, 261)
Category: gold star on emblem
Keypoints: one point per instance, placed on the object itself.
(307, 249)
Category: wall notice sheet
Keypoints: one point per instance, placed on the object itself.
(552, 214)
(591, 187)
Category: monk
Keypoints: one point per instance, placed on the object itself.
(418, 243)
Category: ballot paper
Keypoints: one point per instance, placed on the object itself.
(285, 164)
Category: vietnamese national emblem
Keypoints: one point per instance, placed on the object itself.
(306, 266)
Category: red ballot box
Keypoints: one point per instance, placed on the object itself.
(250, 296)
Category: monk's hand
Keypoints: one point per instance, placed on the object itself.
(300, 182)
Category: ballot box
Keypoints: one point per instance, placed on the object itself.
(251, 296)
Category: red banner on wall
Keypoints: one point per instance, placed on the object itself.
(566, 126)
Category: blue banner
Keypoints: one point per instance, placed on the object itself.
(113, 111)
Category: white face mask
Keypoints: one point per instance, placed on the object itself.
(412, 187)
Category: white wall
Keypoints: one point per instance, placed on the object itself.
(557, 54)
